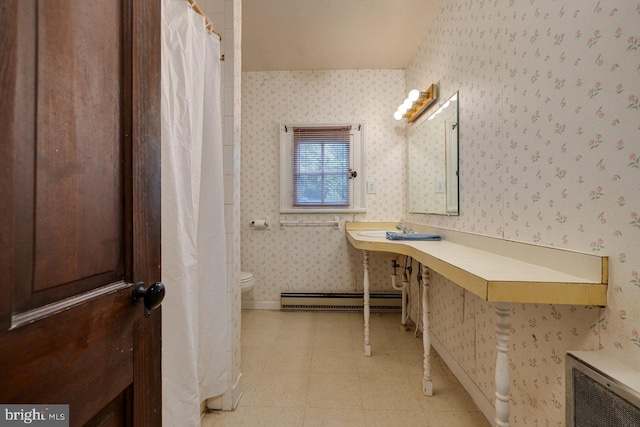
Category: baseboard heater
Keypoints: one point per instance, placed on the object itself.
(601, 391)
(340, 301)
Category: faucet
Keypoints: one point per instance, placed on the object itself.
(406, 228)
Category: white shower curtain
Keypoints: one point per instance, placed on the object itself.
(195, 335)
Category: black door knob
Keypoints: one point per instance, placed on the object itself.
(151, 296)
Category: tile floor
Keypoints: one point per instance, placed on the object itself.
(308, 369)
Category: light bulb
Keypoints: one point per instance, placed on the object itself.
(402, 108)
(414, 95)
(397, 115)
(408, 103)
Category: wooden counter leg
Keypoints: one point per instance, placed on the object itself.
(427, 385)
(502, 364)
(367, 344)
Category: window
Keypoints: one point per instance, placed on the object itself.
(321, 168)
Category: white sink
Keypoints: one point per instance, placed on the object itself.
(374, 233)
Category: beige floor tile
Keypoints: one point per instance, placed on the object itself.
(449, 419)
(281, 390)
(394, 418)
(387, 335)
(378, 338)
(388, 391)
(355, 315)
(439, 367)
(223, 418)
(295, 337)
(390, 321)
(334, 391)
(329, 338)
(413, 362)
(357, 329)
(246, 316)
(273, 417)
(409, 342)
(250, 381)
(266, 319)
(440, 383)
(447, 398)
(300, 320)
(253, 359)
(255, 337)
(333, 360)
(334, 417)
(308, 368)
(383, 360)
(333, 321)
(289, 360)
(414, 365)
(359, 350)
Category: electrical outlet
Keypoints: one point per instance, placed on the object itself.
(371, 187)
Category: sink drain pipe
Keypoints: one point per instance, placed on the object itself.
(404, 287)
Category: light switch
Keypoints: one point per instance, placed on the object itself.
(371, 187)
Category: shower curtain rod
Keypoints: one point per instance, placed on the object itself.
(210, 26)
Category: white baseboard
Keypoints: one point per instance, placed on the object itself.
(260, 305)
(484, 404)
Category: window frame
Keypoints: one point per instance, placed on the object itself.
(357, 154)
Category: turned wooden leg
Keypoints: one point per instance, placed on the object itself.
(502, 364)
(427, 385)
(367, 344)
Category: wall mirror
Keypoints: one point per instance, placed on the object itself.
(433, 161)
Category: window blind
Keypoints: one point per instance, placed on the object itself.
(321, 166)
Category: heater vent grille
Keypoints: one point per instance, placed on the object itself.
(327, 307)
(336, 301)
(599, 397)
(597, 406)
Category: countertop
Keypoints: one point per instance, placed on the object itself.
(498, 270)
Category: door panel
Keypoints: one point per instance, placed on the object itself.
(80, 218)
(112, 415)
(69, 216)
(69, 357)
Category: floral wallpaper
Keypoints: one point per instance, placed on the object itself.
(549, 153)
(316, 258)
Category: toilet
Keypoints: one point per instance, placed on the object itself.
(246, 282)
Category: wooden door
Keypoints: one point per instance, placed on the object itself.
(80, 207)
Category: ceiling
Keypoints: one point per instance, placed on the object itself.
(296, 35)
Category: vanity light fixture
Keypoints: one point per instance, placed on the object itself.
(416, 103)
